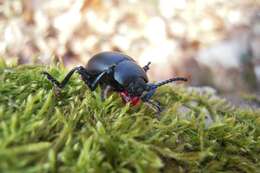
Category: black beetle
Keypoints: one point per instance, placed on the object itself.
(115, 71)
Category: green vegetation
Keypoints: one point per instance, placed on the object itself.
(77, 132)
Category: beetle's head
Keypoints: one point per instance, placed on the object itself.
(139, 89)
(134, 91)
(136, 87)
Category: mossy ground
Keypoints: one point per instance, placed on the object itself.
(77, 132)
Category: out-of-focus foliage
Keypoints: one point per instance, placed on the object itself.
(77, 132)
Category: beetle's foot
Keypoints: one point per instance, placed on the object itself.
(158, 115)
(57, 91)
(155, 105)
(159, 109)
(51, 79)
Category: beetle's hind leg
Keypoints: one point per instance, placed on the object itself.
(81, 70)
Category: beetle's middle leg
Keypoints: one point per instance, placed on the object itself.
(104, 91)
(94, 83)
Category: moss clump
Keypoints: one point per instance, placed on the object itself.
(77, 132)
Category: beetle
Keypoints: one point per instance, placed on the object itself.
(118, 72)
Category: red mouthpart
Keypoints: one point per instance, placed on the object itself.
(127, 98)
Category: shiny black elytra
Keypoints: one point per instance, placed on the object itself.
(117, 72)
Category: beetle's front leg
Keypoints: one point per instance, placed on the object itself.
(146, 98)
(155, 105)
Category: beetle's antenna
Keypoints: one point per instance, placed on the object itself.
(151, 88)
(171, 80)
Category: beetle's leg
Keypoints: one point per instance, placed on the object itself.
(61, 84)
(155, 105)
(146, 67)
(95, 82)
(105, 91)
(147, 96)
(151, 103)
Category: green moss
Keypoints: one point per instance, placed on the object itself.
(77, 132)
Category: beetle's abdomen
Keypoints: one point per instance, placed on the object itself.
(128, 71)
(104, 60)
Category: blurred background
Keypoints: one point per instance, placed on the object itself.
(215, 43)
